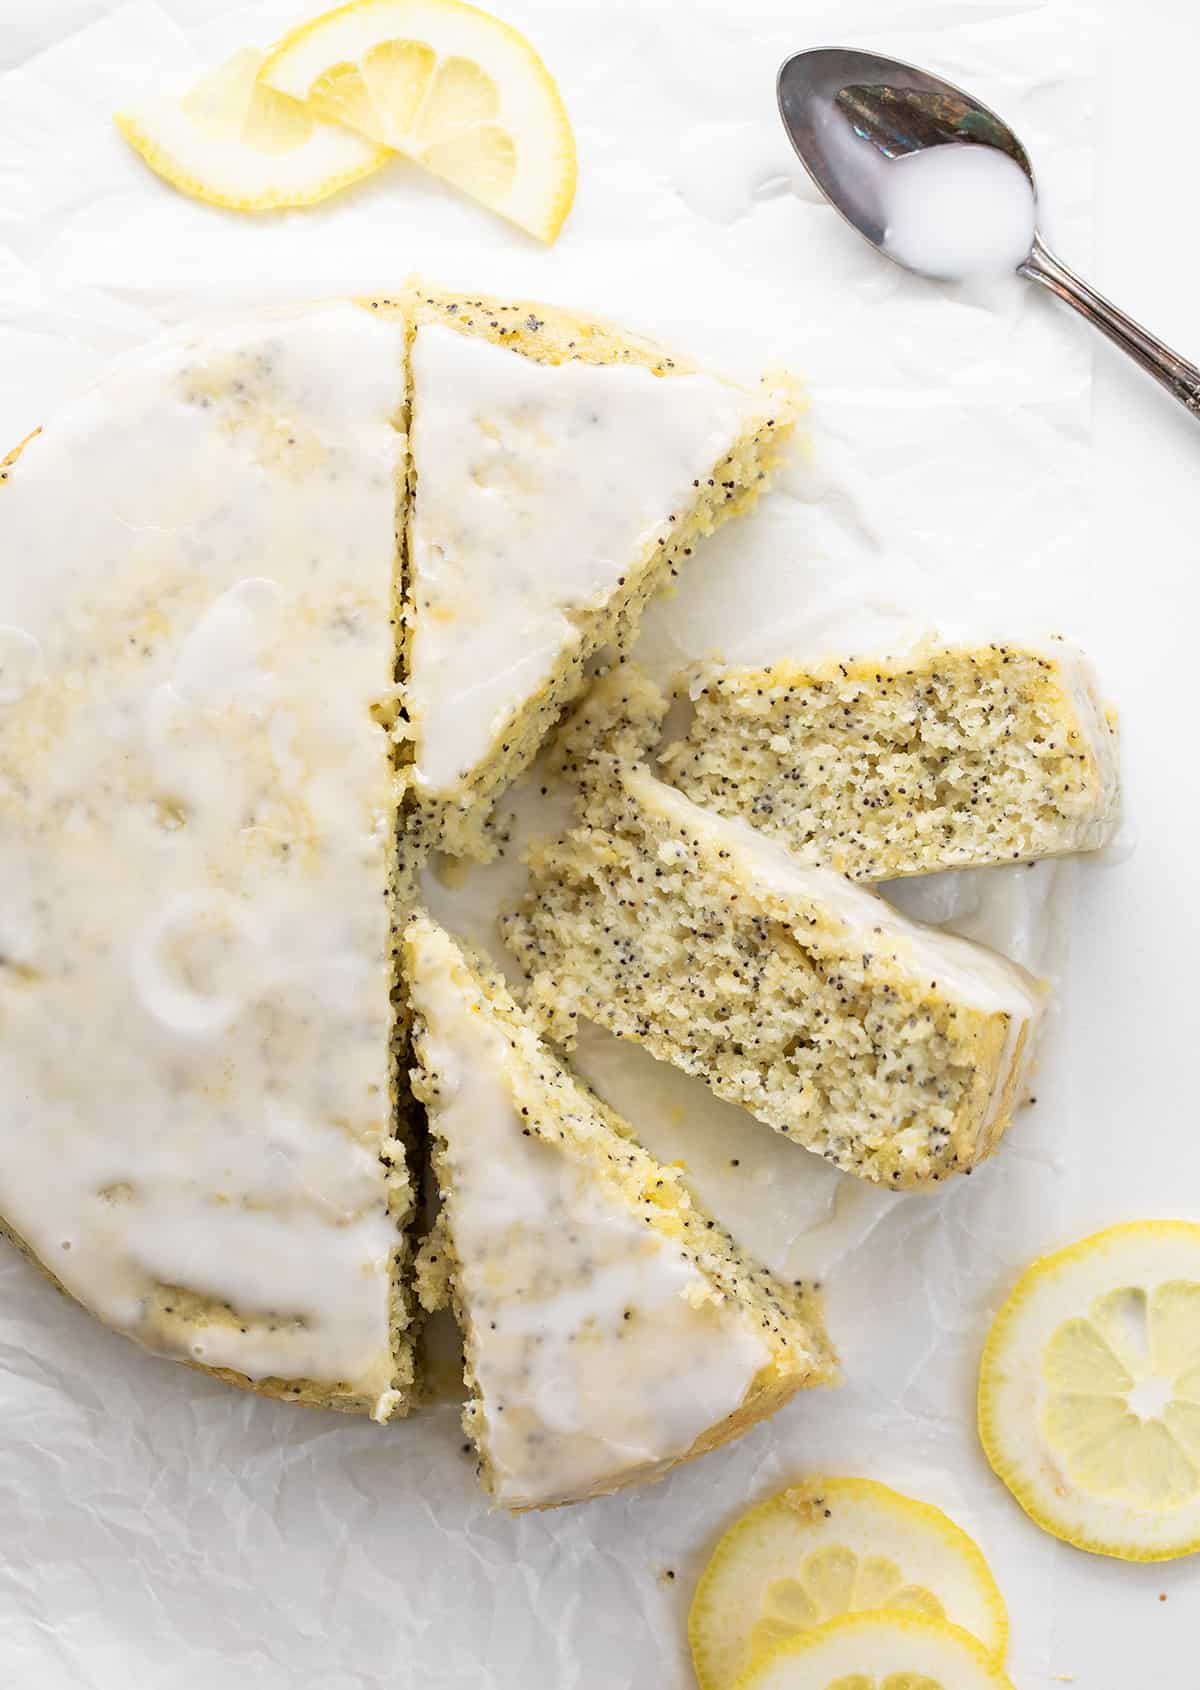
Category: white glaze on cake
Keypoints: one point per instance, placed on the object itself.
(196, 822)
(539, 489)
(596, 1347)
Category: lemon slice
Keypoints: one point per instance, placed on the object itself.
(880, 1651)
(1089, 1393)
(449, 86)
(828, 1547)
(235, 143)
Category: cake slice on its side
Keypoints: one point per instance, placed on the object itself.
(611, 1328)
(896, 1052)
(563, 471)
(951, 757)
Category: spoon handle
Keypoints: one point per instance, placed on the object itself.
(1177, 375)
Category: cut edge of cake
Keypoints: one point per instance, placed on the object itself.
(402, 1155)
(941, 757)
(560, 1112)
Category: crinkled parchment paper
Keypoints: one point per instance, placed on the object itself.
(161, 1531)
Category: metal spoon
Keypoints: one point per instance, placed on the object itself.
(900, 110)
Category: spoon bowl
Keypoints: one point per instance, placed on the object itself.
(838, 103)
(889, 146)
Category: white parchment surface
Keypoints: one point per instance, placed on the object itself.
(160, 1530)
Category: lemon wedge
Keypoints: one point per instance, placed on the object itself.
(879, 1651)
(233, 142)
(451, 88)
(828, 1547)
(1089, 1393)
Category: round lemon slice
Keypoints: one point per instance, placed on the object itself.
(236, 143)
(828, 1547)
(449, 86)
(1089, 1393)
(885, 1650)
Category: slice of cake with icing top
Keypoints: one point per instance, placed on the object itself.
(563, 471)
(611, 1328)
(945, 757)
(198, 803)
(893, 1050)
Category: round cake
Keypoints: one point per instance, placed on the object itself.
(250, 586)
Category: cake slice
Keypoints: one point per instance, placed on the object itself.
(611, 1328)
(896, 1052)
(201, 1095)
(950, 757)
(562, 472)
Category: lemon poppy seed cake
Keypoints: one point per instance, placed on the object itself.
(949, 757)
(206, 1128)
(563, 471)
(893, 1050)
(199, 1110)
(611, 1328)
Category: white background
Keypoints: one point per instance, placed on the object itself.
(1134, 1148)
(969, 464)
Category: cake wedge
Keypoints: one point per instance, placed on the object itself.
(563, 471)
(895, 1051)
(945, 757)
(611, 1328)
